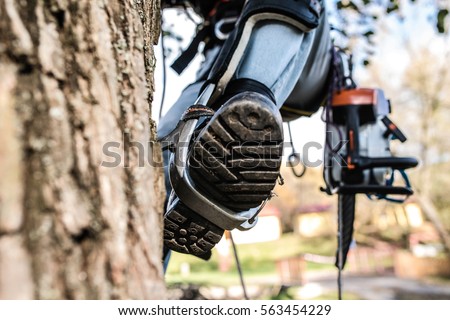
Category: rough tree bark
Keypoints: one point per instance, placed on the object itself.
(74, 75)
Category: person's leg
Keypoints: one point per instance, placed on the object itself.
(293, 64)
(312, 86)
(235, 159)
(229, 173)
(276, 54)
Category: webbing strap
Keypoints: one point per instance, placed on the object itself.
(189, 54)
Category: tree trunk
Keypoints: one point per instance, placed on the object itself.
(74, 75)
(430, 211)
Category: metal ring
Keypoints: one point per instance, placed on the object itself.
(293, 160)
(218, 27)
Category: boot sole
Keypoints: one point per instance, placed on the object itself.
(235, 161)
(236, 158)
(187, 232)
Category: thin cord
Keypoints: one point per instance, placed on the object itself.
(189, 16)
(340, 244)
(336, 83)
(290, 137)
(238, 265)
(164, 58)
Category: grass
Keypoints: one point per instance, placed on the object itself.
(258, 261)
(444, 281)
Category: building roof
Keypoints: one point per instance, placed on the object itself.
(317, 207)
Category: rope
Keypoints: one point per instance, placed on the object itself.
(238, 265)
(340, 245)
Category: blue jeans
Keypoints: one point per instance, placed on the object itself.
(293, 64)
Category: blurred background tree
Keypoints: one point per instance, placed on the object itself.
(411, 64)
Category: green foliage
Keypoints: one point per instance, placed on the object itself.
(284, 294)
(357, 20)
(440, 25)
(257, 260)
(347, 5)
(392, 6)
